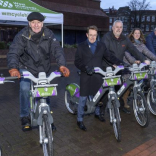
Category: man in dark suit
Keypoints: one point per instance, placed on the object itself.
(90, 54)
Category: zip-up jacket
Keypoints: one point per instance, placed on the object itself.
(25, 53)
(119, 46)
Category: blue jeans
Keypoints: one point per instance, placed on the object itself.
(82, 103)
(24, 96)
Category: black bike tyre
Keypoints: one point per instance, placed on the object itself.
(68, 103)
(146, 112)
(116, 125)
(47, 133)
(150, 103)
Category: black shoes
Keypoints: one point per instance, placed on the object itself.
(53, 127)
(25, 122)
(125, 110)
(81, 125)
(100, 117)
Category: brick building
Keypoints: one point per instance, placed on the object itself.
(144, 19)
(78, 15)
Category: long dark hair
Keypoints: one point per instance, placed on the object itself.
(142, 38)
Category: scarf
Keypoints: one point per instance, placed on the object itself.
(36, 36)
(92, 46)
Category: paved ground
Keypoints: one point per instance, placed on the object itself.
(99, 140)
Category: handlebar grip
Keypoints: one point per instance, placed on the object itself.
(10, 78)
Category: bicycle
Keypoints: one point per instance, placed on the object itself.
(151, 94)
(140, 107)
(110, 80)
(40, 113)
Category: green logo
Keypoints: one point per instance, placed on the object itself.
(6, 4)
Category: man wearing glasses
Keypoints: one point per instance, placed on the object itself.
(90, 54)
(151, 41)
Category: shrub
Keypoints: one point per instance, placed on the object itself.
(3, 45)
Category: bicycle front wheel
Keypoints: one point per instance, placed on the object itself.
(47, 143)
(116, 121)
(141, 110)
(151, 101)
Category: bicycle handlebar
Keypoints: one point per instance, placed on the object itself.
(6, 79)
(41, 77)
(135, 67)
(109, 71)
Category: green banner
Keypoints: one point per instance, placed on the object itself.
(23, 5)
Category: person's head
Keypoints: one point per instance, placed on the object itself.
(35, 21)
(137, 34)
(92, 32)
(117, 28)
(155, 30)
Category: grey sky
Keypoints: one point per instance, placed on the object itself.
(105, 4)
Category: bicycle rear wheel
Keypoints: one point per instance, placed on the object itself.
(141, 110)
(116, 121)
(70, 103)
(47, 143)
(151, 101)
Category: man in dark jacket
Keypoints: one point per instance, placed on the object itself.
(30, 50)
(90, 54)
(151, 41)
(117, 44)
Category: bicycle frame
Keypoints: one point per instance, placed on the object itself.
(38, 98)
(74, 90)
(133, 81)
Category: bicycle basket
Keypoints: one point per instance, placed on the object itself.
(45, 91)
(139, 75)
(112, 81)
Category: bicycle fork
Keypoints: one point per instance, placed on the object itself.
(43, 110)
(113, 98)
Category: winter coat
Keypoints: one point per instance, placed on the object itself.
(24, 53)
(89, 84)
(119, 46)
(143, 49)
(151, 42)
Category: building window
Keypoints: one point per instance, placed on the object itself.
(152, 27)
(110, 20)
(142, 27)
(137, 18)
(132, 19)
(110, 28)
(143, 18)
(153, 18)
(125, 28)
(148, 18)
(132, 26)
(126, 19)
(147, 27)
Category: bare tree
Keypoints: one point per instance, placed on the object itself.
(137, 9)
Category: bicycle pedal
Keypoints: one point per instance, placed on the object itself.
(26, 128)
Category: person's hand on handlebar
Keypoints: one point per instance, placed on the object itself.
(137, 62)
(89, 70)
(65, 71)
(14, 72)
(147, 62)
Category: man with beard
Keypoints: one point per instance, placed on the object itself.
(117, 44)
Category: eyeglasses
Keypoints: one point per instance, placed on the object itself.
(90, 35)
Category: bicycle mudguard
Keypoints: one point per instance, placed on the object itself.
(73, 89)
(39, 120)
